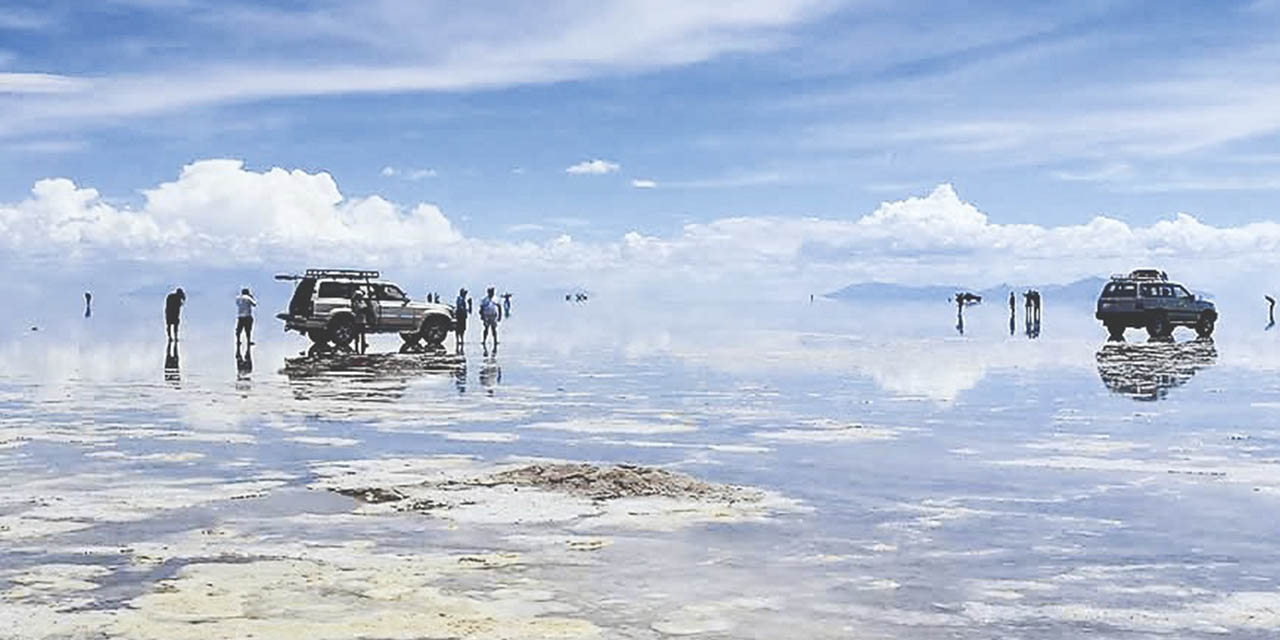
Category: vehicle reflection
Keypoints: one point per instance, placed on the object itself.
(367, 377)
(1147, 371)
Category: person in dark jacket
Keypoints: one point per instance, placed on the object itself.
(173, 312)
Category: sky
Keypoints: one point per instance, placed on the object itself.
(743, 144)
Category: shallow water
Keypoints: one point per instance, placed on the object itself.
(930, 483)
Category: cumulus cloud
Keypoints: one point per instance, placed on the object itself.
(593, 167)
(218, 213)
(644, 184)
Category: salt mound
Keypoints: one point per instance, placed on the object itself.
(620, 481)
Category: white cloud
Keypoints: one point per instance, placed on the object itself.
(39, 83)
(1105, 173)
(217, 213)
(644, 184)
(388, 47)
(412, 175)
(593, 167)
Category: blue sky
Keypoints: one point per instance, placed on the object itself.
(1048, 114)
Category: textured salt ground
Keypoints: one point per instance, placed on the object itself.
(578, 495)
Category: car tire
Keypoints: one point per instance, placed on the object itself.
(1115, 331)
(434, 331)
(342, 331)
(1158, 326)
(1204, 326)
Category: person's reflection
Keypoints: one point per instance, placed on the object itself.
(244, 362)
(959, 315)
(1271, 313)
(172, 371)
(460, 378)
(1033, 328)
(491, 372)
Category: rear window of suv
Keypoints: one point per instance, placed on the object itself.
(1120, 290)
(333, 289)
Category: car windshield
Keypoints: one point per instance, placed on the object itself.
(1120, 290)
(1180, 291)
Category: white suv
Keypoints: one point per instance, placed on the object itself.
(321, 309)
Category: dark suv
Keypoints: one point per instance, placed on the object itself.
(1147, 299)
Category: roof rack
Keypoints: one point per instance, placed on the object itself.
(1148, 274)
(344, 274)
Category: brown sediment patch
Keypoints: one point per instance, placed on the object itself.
(620, 481)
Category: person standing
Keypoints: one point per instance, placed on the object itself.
(88, 304)
(173, 312)
(244, 316)
(506, 305)
(364, 319)
(461, 309)
(490, 313)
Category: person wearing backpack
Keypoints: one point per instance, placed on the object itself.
(490, 313)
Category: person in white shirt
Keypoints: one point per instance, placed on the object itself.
(244, 316)
(490, 313)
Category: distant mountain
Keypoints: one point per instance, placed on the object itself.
(1079, 292)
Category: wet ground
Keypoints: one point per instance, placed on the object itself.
(831, 471)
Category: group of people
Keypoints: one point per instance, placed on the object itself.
(1032, 304)
(491, 313)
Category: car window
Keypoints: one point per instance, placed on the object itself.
(390, 292)
(1180, 291)
(1120, 290)
(333, 289)
(1150, 290)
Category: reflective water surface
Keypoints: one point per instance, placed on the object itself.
(921, 482)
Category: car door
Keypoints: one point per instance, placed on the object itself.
(1181, 301)
(393, 309)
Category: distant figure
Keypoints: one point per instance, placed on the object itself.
(244, 316)
(88, 304)
(1271, 311)
(506, 305)
(811, 298)
(959, 314)
(363, 312)
(461, 309)
(1013, 299)
(1035, 296)
(490, 313)
(173, 312)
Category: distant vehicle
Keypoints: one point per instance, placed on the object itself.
(1145, 298)
(321, 309)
